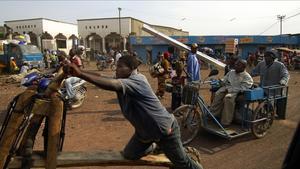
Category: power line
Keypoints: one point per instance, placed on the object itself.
(269, 27)
(292, 16)
(281, 18)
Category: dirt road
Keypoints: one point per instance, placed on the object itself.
(99, 124)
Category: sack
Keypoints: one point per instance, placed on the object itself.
(156, 69)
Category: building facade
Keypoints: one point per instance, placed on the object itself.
(246, 44)
(103, 34)
(47, 33)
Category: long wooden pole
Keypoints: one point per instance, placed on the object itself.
(182, 46)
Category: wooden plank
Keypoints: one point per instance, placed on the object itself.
(99, 158)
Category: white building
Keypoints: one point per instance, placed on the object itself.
(47, 33)
(103, 34)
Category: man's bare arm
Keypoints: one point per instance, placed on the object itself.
(100, 81)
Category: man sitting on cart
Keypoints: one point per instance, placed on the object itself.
(234, 82)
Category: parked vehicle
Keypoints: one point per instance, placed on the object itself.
(22, 54)
(104, 62)
(253, 114)
(79, 88)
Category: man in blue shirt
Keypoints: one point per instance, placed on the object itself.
(193, 67)
(141, 107)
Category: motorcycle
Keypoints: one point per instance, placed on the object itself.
(78, 87)
(80, 94)
(106, 62)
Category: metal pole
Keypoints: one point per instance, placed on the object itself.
(120, 25)
(280, 17)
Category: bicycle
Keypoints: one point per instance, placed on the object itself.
(253, 114)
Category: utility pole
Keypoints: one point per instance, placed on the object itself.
(280, 17)
(120, 25)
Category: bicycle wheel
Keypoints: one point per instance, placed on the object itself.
(189, 120)
(260, 128)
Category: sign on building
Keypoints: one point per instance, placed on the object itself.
(231, 45)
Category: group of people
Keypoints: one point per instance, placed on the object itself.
(173, 69)
(236, 79)
(50, 58)
(271, 72)
(154, 125)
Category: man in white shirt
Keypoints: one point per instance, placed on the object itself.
(118, 55)
(27, 38)
(235, 81)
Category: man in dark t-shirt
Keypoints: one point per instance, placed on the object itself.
(141, 107)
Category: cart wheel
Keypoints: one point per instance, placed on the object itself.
(260, 128)
(189, 120)
(194, 154)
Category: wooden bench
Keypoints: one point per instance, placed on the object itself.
(99, 158)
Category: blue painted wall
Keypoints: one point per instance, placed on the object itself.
(246, 43)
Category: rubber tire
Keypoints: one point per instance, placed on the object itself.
(182, 114)
(260, 129)
(79, 102)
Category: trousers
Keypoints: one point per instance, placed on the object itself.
(170, 144)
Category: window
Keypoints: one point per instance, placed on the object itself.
(25, 26)
(106, 26)
(102, 26)
(94, 27)
(29, 49)
(90, 27)
(85, 27)
(17, 27)
(61, 43)
(28, 26)
(98, 26)
(34, 25)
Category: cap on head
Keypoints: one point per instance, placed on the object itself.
(271, 53)
(242, 61)
(12, 58)
(194, 45)
(166, 55)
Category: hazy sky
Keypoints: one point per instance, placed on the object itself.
(197, 17)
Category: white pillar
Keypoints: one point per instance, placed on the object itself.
(103, 45)
(124, 43)
(39, 42)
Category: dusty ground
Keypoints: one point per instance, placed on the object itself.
(99, 124)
